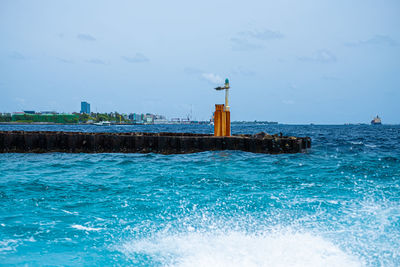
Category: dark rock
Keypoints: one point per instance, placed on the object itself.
(263, 135)
(165, 143)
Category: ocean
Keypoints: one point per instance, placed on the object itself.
(336, 205)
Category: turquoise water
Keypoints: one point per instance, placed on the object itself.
(337, 205)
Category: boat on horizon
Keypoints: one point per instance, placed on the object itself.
(376, 121)
(102, 123)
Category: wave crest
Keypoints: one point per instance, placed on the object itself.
(239, 249)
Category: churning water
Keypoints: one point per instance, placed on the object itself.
(337, 205)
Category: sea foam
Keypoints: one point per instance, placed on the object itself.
(85, 228)
(240, 249)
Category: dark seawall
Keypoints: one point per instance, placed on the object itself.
(136, 142)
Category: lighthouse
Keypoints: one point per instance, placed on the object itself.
(222, 114)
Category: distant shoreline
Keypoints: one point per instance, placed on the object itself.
(232, 123)
(36, 123)
(55, 123)
(51, 123)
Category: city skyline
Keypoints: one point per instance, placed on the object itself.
(290, 62)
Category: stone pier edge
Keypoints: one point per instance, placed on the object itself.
(139, 142)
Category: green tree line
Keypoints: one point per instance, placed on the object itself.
(98, 117)
(65, 118)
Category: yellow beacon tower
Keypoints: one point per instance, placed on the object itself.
(222, 115)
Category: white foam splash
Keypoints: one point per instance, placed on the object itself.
(85, 228)
(356, 143)
(8, 245)
(368, 145)
(70, 212)
(240, 249)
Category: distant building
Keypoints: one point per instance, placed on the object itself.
(29, 111)
(85, 107)
(136, 118)
(148, 118)
(49, 112)
(160, 119)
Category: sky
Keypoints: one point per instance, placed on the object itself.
(320, 61)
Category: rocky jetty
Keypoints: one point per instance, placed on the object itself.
(138, 142)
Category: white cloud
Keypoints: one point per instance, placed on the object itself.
(18, 56)
(382, 40)
(212, 78)
(321, 56)
(96, 61)
(241, 71)
(209, 77)
(63, 60)
(263, 35)
(254, 39)
(243, 44)
(138, 58)
(85, 37)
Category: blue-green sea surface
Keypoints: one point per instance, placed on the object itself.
(337, 205)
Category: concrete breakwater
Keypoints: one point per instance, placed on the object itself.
(138, 142)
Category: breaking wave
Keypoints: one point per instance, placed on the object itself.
(235, 248)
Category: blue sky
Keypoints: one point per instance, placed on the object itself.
(288, 61)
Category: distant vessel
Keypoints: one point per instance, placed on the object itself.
(376, 121)
(102, 123)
